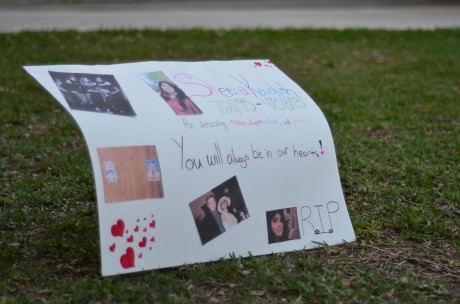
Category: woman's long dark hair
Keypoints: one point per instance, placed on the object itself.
(272, 238)
(180, 94)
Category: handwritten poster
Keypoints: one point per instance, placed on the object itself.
(197, 161)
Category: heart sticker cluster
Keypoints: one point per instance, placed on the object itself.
(265, 63)
(137, 239)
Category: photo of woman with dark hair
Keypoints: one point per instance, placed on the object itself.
(177, 100)
(277, 226)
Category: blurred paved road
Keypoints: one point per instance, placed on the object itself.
(17, 15)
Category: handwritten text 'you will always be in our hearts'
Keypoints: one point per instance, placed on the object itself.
(238, 156)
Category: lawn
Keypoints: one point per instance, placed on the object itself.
(392, 99)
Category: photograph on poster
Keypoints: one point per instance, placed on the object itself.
(174, 96)
(130, 173)
(93, 92)
(219, 210)
(110, 171)
(282, 225)
(153, 169)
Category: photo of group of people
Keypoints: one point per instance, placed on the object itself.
(282, 225)
(175, 97)
(130, 173)
(93, 92)
(219, 210)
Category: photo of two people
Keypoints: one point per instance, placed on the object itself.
(219, 210)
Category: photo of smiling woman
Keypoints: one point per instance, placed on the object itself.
(174, 96)
(277, 226)
(282, 225)
(177, 100)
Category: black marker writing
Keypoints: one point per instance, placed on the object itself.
(317, 219)
(190, 163)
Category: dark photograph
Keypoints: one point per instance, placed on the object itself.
(93, 92)
(219, 210)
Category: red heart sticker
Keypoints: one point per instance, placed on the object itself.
(112, 247)
(130, 239)
(127, 259)
(143, 242)
(152, 224)
(136, 229)
(152, 239)
(118, 228)
(145, 230)
(258, 64)
(140, 255)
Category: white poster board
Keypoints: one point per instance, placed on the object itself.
(194, 161)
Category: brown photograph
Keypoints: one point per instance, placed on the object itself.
(130, 173)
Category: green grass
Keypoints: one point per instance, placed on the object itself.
(392, 99)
